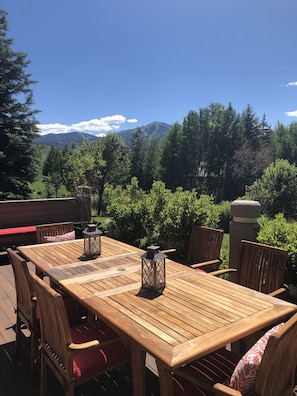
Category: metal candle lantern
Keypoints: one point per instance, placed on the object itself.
(153, 269)
(92, 241)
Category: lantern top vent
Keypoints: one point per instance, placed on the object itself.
(92, 230)
(153, 253)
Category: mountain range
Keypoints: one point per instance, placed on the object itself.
(154, 129)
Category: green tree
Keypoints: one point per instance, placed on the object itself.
(152, 163)
(248, 166)
(250, 125)
(138, 156)
(256, 132)
(190, 157)
(221, 138)
(276, 190)
(18, 126)
(231, 141)
(53, 169)
(170, 157)
(285, 142)
(78, 167)
(116, 166)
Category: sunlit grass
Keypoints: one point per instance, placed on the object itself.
(39, 191)
(225, 251)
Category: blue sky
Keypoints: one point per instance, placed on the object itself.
(110, 65)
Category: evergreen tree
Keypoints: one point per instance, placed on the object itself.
(152, 163)
(251, 127)
(138, 156)
(285, 142)
(53, 169)
(18, 126)
(116, 168)
(190, 148)
(170, 157)
(53, 162)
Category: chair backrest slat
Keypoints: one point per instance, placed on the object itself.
(23, 285)
(53, 229)
(55, 329)
(205, 245)
(261, 267)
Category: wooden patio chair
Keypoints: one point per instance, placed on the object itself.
(25, 307)
(55, 232)
(58, 232)
(268, 369)
(260, 267)
(74, 355)
(205, 248)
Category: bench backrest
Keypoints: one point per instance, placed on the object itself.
(18, 213)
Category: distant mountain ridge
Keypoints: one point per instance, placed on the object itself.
(60, 140)
(154, 129)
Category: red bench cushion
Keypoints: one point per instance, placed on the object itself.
(17, 230)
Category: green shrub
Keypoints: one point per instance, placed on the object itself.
(159, 216)
(225, 216)
(276, 190)
(281, 233)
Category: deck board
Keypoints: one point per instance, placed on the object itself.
(14, 377)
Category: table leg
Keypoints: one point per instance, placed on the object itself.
(138, 369)
(165, 377)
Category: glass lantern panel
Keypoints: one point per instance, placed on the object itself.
(153, 274)
(92, 245)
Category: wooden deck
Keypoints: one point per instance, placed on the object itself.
(14, 377)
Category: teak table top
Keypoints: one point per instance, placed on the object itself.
(197, 313)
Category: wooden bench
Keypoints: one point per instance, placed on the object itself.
(18, 218)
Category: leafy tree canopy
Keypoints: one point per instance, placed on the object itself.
(277, 189)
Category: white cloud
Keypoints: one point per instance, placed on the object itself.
(132, 120)
(53, 128)
(96, 126)
(291, 84)
(291, 113)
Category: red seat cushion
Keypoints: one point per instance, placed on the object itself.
(88, 364)
(17, 230)
(216, 367)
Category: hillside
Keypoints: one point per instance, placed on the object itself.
(154, 129)
(60, 140)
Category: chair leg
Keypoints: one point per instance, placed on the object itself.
(43, 375)
(34, 353)
(69, 390)
(17, 338)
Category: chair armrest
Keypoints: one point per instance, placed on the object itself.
(216, 388)
(220, 389)
(199, 265)
(168, 251)
(279, 291)
(86, 346)
(223, 271)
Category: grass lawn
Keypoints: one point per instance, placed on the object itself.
(225, 251)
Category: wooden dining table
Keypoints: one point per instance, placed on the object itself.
(195, 314)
